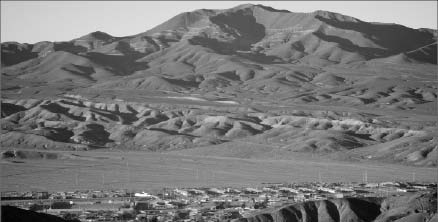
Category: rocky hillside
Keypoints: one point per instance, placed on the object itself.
(413, 207)
(78, 124)
(214, 80)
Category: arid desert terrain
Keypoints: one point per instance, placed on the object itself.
(244, 95)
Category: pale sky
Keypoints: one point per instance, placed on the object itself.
(34, 21)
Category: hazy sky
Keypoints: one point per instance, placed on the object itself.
(31, 21)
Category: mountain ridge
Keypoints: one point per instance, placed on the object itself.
(224, 64)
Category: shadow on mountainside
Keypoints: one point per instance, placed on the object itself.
(395, 38)
(368, 53)
(119, 64)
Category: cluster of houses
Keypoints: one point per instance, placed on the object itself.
(61, 195)
(199, 204)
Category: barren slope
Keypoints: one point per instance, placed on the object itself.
(410, 207)
(250, 81)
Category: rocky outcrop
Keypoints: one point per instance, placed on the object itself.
(411, 207)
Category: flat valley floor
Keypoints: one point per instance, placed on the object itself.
(153, 171)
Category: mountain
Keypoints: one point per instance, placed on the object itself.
(218, 41)
(219, 81)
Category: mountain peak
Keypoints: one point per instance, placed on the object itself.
(252, 6)
(98, 35)
(268, 8)
(243, 6)
(335, 16)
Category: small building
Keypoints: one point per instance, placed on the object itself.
(371, 185)
(338, 195)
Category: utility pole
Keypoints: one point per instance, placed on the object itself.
(211, 178)
(319, 177)
(129, 179)
(365, 177)
(129, 172)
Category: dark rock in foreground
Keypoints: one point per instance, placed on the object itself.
(14, 214)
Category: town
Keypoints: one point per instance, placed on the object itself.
(194, 204)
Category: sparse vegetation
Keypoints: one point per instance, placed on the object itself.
(214, 97)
